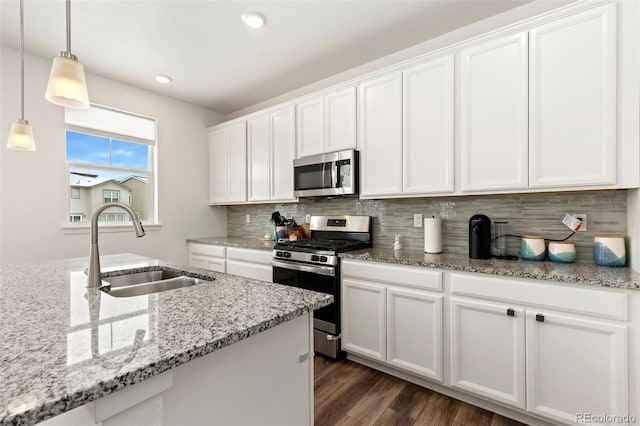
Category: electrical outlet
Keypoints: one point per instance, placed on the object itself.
(307, 218)
(248, 218)
(583, 218)
(417, 220)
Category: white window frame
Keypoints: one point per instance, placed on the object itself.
(111, 193)
(75, 191)
(152, 222)
(72, 215)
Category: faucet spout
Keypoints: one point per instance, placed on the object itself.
(94, 278)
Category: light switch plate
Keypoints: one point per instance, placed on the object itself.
(307, 218)
(417, 220)
(248, 218)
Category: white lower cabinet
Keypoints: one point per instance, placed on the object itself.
(393, 320)
(575, 366)
(487, 350)
(248, 263)
(206, 256)
(521, 352)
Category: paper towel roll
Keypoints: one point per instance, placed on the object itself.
(432, 235)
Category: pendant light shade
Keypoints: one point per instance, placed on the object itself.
(21, 134)
(67, 86)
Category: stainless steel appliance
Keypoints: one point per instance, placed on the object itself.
(331, 174)
(313, 264)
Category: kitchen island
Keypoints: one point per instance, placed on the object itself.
(212, 349)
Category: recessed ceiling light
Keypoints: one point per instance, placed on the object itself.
(164, 79)
(254, 19)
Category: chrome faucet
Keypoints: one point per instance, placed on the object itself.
(94, 279)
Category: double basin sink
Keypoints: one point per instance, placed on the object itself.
(148, 282)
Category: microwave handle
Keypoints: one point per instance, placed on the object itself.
(335, 175)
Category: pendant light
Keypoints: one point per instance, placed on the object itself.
(21, 134)
(67, 86)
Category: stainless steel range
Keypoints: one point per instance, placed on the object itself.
(313, 264)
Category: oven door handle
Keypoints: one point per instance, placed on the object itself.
(314, 269)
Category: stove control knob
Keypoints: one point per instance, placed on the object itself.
(278, 254)
(315, 258)
(287, 254)
(323, 258)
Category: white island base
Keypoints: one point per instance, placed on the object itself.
(266, 379)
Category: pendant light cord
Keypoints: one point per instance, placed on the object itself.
(22, 60)
(69, 26)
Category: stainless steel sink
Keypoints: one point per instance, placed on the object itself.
(141, 283)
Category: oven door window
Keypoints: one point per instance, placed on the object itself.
(313, 176)
(315, 282)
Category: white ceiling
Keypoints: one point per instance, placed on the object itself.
(214, 59)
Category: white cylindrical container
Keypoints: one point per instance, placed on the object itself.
(608, 250)
(432, 235)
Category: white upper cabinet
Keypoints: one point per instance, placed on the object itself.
(340, 120)
(494, 116)
(380, 135)
(327, 123)
(283, 148)
(573, 100)
(310, 140)
(228, 164)
(271, 142)
(258, 141)
(428, 127)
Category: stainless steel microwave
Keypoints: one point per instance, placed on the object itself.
(331, 174)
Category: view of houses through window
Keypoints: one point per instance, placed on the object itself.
(110, 158)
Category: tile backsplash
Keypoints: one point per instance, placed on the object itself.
(532, 214)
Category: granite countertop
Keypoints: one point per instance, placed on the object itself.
(64, 345)
(249, 243)
(575, 273)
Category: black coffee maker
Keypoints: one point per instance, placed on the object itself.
(479, 237)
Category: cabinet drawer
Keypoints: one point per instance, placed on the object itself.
(206, 250)
(250, 270)
(248, 255)
(592, 302)
(409, 276)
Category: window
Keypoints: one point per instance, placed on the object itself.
(110, 158)
(111, 196)
(111, 217)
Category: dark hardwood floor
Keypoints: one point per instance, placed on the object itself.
(350, 394)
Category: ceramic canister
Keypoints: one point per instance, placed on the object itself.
(608, 250)
(532, 247)
(562, 251)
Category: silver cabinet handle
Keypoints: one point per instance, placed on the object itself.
(332, 337)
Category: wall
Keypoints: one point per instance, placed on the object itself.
(33, 195)
(533, 214)
(633, 228)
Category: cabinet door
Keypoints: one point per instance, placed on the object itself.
(340, 120)
(237, 176)
(283, 147)
(428, 127)
(310, 140)
(380, 135)
(364, 319)
(575, 366)
(494, 117)
(258, 131)
(573, 100)
(487, 350)
(414, 332)
(219, 166)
